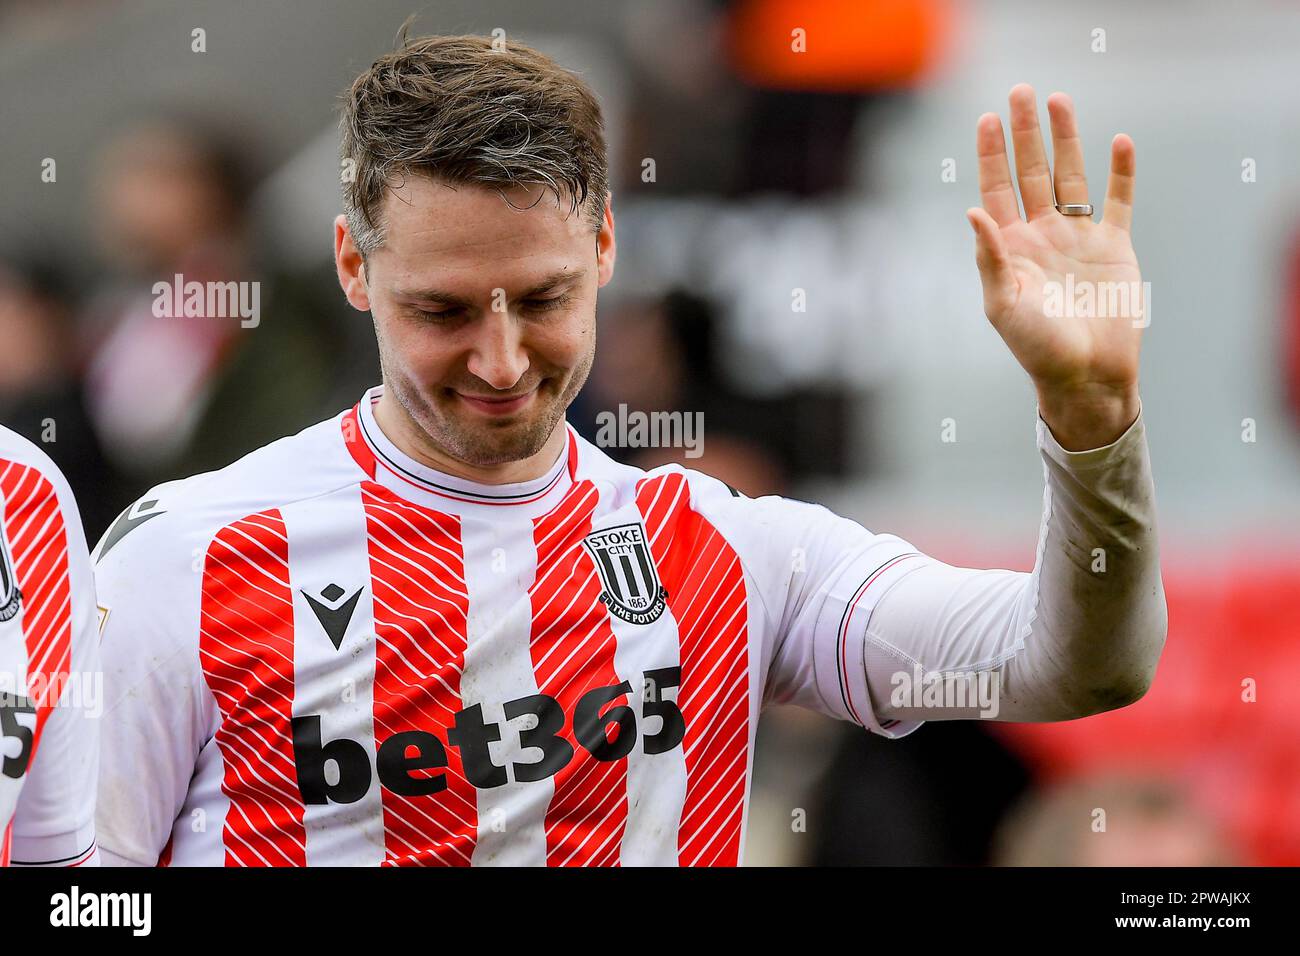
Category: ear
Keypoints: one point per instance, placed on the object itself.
(350, 266)
(605, 247)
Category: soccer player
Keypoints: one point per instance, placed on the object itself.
(49, 662)
(442, 628)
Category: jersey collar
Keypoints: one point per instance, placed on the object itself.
(386, 464)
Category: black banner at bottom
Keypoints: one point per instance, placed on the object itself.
(909, 905)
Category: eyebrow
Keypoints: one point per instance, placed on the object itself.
(547, 284)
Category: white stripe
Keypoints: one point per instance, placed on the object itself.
(198, 833)
(328, 545)
(499, 668)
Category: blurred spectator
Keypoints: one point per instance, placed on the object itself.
(728, 99)
(1115, 821)
(933, 798)
(660, 355)
(686, 109)
(40, 389)
(173, 394)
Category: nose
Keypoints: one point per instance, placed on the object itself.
(497, 356)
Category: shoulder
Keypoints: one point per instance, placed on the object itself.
(22, 461)
(673, 489)
(624, 481)
(173, 523)
(30, 481)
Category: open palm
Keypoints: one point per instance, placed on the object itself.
(1029, 266)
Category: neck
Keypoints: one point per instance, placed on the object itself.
(403, 432)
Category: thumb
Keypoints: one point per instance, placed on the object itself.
(996, 276)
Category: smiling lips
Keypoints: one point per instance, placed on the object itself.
(497, 406)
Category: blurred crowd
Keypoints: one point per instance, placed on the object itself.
(123, 398)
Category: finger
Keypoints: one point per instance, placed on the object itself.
(1067, 151)
(996, 191)
(1031, 157)
(996, 274)
(1119, 190)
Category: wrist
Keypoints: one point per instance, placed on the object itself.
(1085, 417)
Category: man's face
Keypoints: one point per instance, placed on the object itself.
(485, 314)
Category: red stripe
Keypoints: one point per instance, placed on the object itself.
(706, 593)
(417, 571)
(38, 546)
(356, 442)
(572, 647)
(573, 454)
(246, 649)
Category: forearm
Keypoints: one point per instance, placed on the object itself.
(1080, 634)
(1101, 617)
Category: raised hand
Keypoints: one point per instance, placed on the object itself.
(1039, 271)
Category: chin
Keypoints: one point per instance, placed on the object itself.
(497, 443)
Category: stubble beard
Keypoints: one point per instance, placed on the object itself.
(487, 443)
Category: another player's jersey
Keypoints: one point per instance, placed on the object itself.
(49, 670)
(328, 653)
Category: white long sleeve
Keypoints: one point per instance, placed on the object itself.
(1078, 635)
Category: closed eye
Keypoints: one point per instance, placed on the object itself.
(445, 315)
(545, 305)
(529, 305)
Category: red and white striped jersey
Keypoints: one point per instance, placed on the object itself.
(328, 653)
(49, 666)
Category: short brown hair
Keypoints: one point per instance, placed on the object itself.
(468, 109)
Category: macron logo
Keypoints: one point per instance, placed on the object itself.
(334, 614)
(128, 521)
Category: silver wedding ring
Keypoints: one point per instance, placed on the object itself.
(1074, 208)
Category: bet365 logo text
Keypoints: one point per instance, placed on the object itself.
(401, 756)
